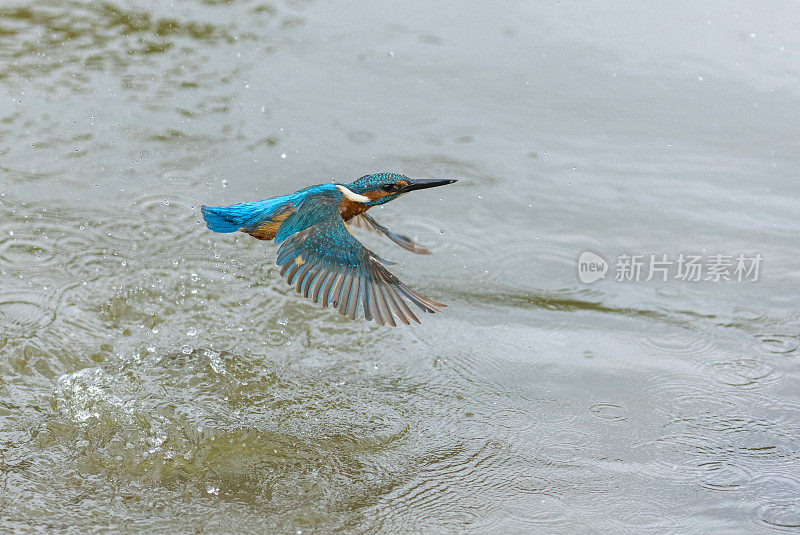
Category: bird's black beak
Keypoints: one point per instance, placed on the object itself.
(423, 183)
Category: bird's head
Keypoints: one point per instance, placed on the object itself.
(381, 188)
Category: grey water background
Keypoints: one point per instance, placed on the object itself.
(156, 377)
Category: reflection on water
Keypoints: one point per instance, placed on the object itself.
(157, 377)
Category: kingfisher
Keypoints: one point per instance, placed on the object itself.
(318, 253)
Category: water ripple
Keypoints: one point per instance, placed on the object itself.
(608, 411)
(23, 312)
(743, 373)
(437, 495)
(693, 342)
(779, 344)
(781, 514)
(724, 475)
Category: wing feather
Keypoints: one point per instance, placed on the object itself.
(376, 311)
(337, 288)
(392, 298)
(347, 289)
(329, 286)
(312, 276)
(301, 276)
(292, 272)
(323, 261)
(387, 308)
(367, 300)
(355, 296)
(405, 312)
(319, 283)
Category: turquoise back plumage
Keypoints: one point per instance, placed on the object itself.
(249, 215)
(243, 215)
(315, 202)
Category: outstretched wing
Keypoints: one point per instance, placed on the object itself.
(320, 257)
(364, 221)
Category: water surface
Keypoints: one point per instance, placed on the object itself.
(156, 377)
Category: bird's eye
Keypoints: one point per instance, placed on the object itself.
(389, 187)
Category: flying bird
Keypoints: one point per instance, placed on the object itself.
(320, 256)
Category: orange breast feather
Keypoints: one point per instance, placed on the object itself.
(349, 209)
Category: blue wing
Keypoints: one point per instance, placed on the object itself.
(322, 259)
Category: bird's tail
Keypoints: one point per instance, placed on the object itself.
(222, 218)
(245, 215)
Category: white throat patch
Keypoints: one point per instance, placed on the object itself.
(355, 197)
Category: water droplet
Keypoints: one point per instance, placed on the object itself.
(191, 332)
(283, 155)
(210, 489)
